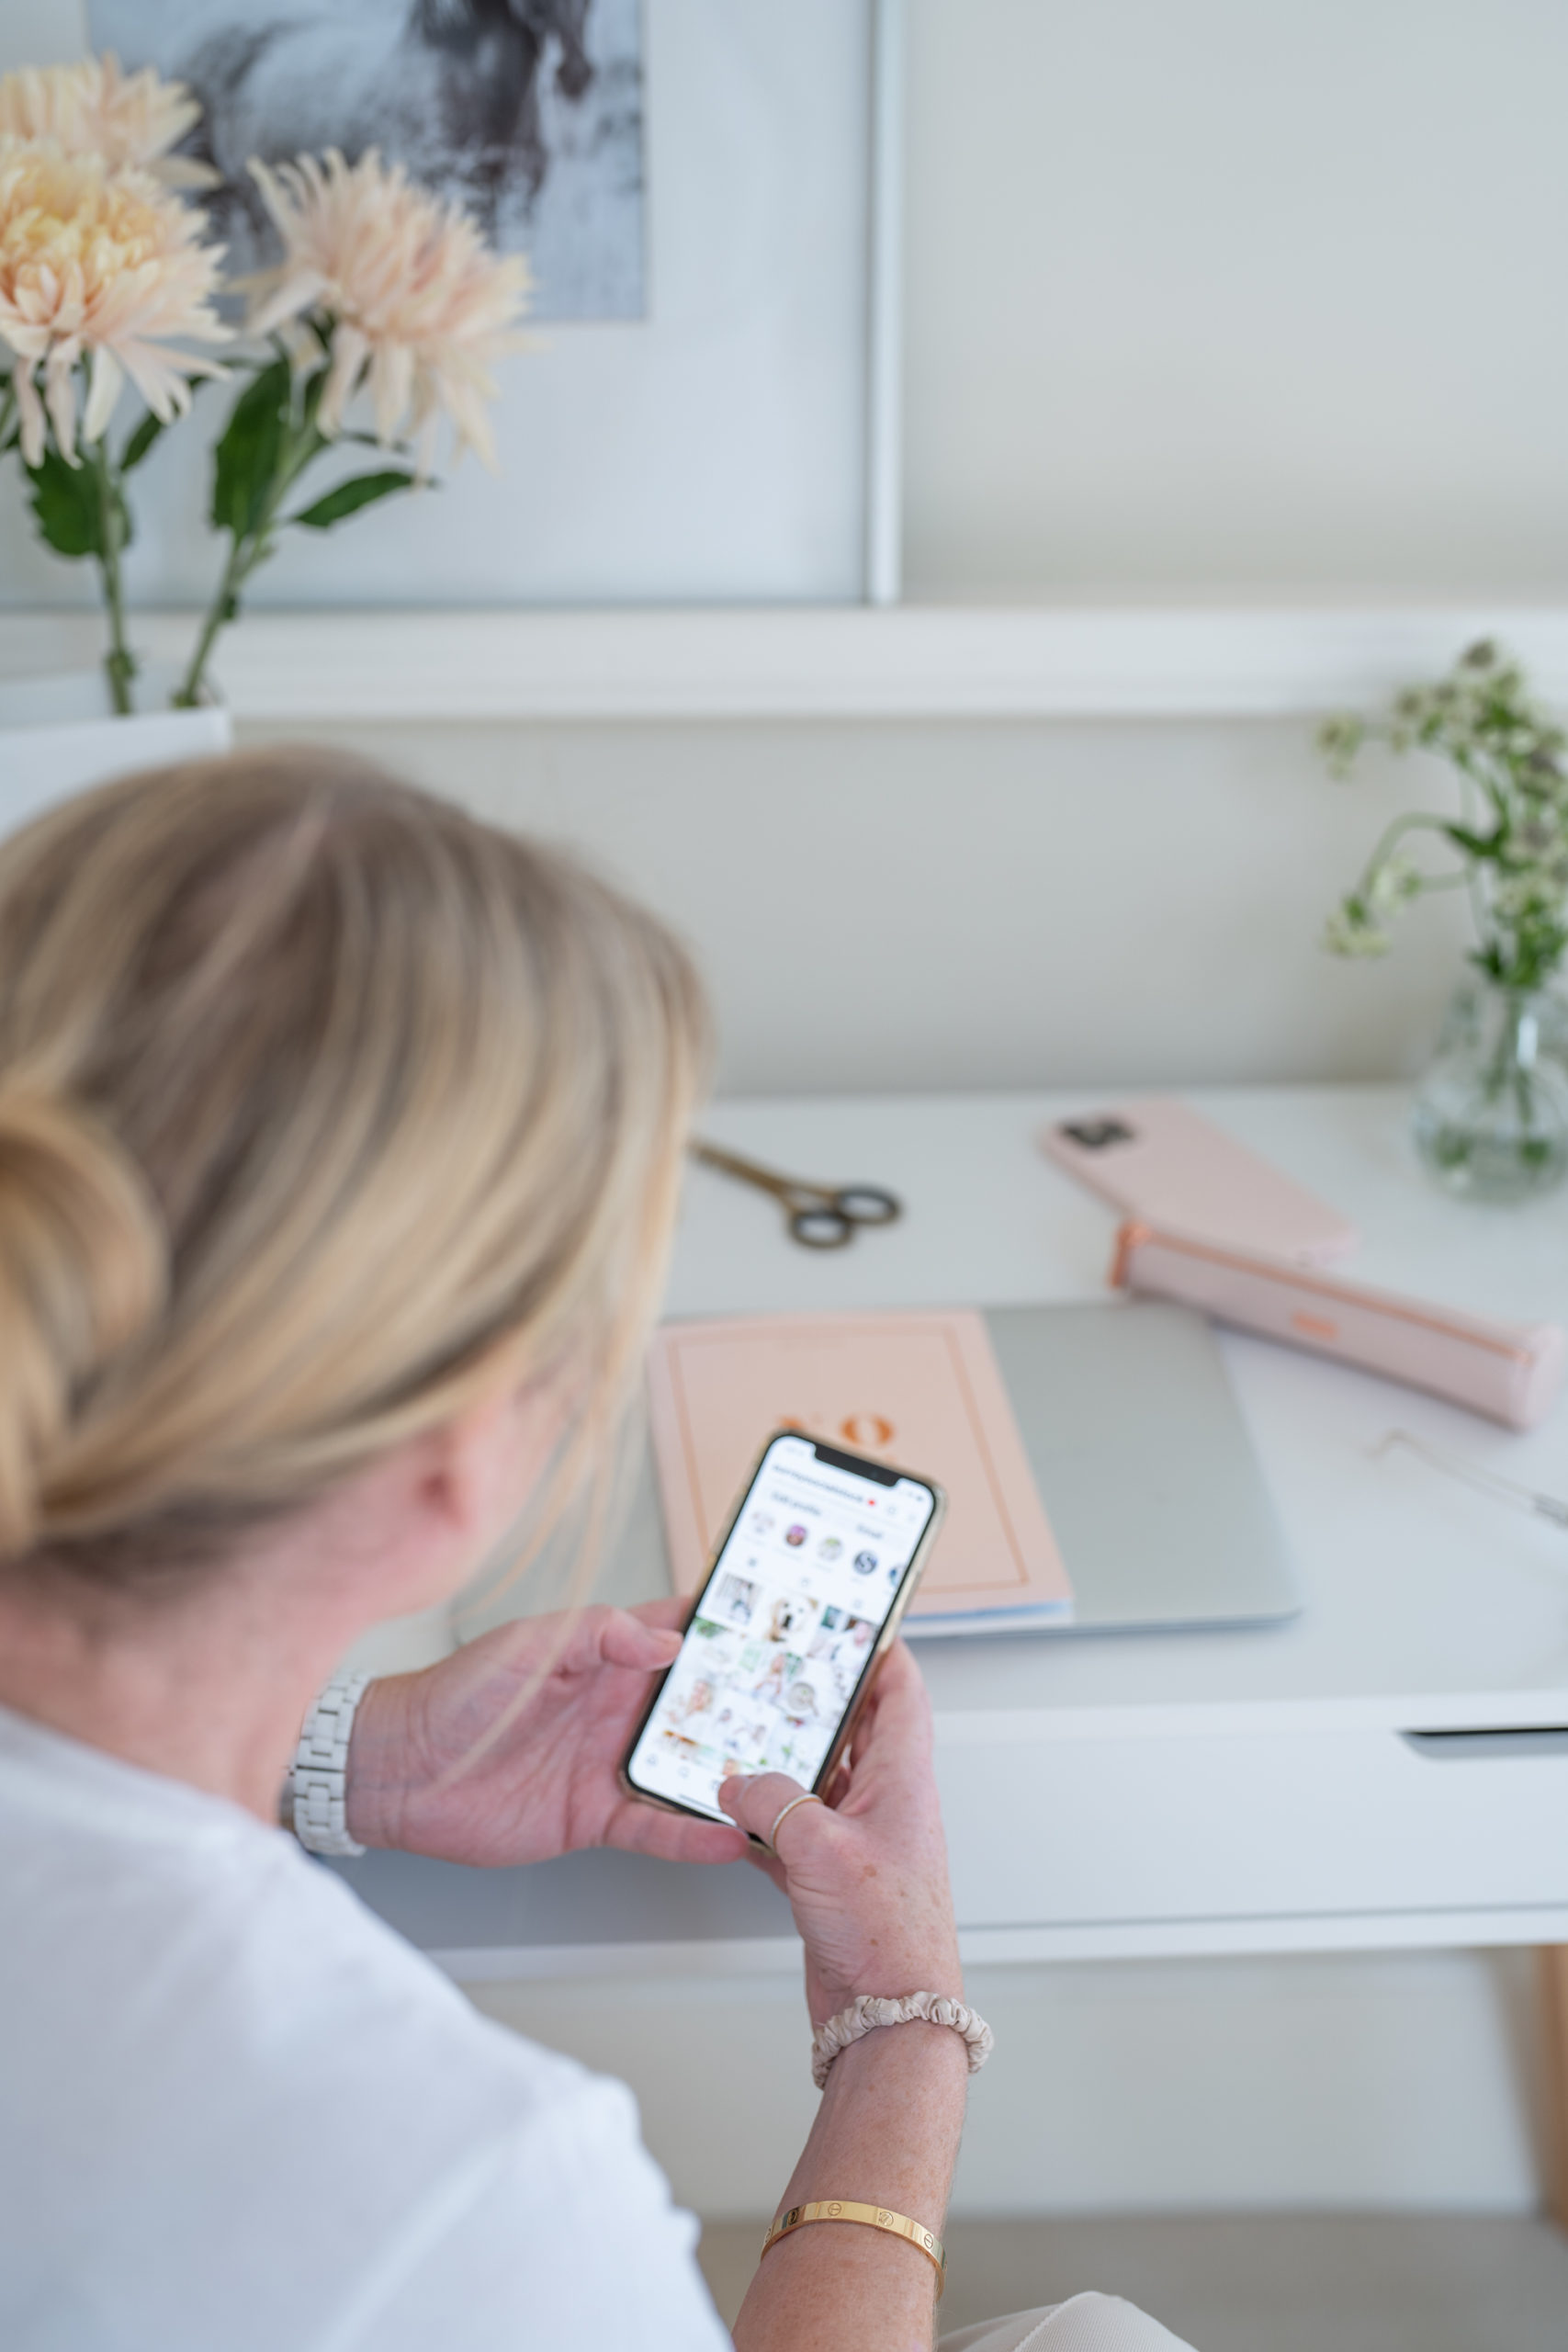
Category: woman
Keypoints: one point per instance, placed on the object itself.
(339, 1146)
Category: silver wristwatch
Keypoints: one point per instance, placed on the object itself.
(318, 1780)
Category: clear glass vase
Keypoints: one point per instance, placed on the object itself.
(1491, 1114)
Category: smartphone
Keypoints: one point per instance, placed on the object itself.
(809, 1580)
(1155, 1158)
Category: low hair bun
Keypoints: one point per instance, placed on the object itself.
(326, 1112)
(83, 1269)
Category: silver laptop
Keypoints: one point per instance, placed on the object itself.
(1142, 1462)
(1145, 1466)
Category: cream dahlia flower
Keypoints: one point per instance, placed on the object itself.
(92, 109)
(102, 265)
(420, 307)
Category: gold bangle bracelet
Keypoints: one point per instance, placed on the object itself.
(875, 2217)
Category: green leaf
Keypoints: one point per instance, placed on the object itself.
(315, 387)
(65, 505)
(140, 441)
(364, 489)
(246, 460)
(1474, 844)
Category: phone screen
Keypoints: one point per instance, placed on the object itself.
(786, 1628)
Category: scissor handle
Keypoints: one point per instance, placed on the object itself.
(868, 1205)
(826, 1227)
(819, 1216)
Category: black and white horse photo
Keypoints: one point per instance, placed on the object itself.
(528, 112)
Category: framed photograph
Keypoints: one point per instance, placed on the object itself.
(707, 193)
(528, 113)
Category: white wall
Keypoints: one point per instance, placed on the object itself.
(970, 906)
(1204, 295)
(1209, 293)
(1395, 2081)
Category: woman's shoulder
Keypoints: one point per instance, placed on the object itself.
(362, 1998)
(244, 1961)
(222, 2044)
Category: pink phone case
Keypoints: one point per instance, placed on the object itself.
(1510, 1371)
(1155, 1159)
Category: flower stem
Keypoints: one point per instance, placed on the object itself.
(119, 662)
(1512, 1065)
(1413, 822)
(248, 550)
(220, 612)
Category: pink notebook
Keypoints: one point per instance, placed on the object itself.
(920, 1391)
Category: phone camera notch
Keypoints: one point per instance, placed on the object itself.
(1098, 1135)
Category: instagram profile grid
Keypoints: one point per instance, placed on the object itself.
(784, 1633)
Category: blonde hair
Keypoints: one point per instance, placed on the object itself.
(323, 1110)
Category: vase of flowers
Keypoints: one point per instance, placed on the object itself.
(1490, 1117)
(113, 299)
(1490, 1120)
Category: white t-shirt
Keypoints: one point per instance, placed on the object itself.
(238, 2114)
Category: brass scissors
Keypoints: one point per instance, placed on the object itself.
(819, 1216)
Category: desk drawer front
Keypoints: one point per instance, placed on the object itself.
(1068, 1831)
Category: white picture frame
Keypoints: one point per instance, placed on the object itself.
(740, 445)
(883, 560)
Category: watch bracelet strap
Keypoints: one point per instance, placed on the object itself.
(872, 2217)
(318, 1780)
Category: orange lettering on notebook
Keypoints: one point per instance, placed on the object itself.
(919, 1391)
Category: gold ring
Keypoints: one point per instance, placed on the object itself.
(774, 1832)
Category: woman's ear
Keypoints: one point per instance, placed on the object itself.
(413, 1528)
(480, 1468)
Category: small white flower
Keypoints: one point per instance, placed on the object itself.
(1350, 932)
(1395, 880)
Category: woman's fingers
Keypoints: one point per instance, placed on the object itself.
(645, 1829)
(633, 1641)
(897, 1717)
(675, 1609)
(899, 1693)
(756, 1799)
(644, 1640)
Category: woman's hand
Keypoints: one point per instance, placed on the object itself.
(508, 1750)
(867, 1874)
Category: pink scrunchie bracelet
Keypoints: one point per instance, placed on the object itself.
(869, 2010)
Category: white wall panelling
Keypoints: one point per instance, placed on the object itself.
(816, 662)
(1330, 2082)
(958, 905)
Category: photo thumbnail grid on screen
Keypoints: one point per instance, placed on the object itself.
(784, 1632)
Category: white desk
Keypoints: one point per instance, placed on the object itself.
(1179, 1792)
